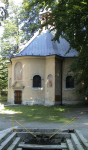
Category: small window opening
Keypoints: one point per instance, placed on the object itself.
(37, 81)
(69, 82)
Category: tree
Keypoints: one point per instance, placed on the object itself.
(30, 21)
(3, 9)
(12, 35)
(3, 74)
(70, 18)
(17, 30)
(3, 66)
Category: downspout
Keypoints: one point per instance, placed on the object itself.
(61, 79)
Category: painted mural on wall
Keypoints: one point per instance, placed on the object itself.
(18, 71)
(49, 80)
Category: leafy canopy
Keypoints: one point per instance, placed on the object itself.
(3, 74)
(12, 35)
(3, 10)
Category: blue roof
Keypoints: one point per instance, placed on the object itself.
(42, 45)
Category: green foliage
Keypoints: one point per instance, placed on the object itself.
(80, 68)
(3, 74)
(30, 20)
(3, 99)
(71, 22)
(3, 10)
(12, 36)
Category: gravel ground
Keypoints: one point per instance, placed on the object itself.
(81, 122)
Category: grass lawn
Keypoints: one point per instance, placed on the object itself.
(36, 113)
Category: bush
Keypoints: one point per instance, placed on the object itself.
(3, 93)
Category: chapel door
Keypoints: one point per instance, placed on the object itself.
(18, 97)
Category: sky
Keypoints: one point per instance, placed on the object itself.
(16, 2)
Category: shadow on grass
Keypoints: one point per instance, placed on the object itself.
(36, 113)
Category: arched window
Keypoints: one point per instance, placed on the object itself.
(69, 82)
(36, 81)
(18, 71)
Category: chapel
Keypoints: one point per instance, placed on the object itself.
(38, 74)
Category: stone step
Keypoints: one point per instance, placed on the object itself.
(4, 145)
(77, 145)
(81, 138)
(69, 144)
(5, 133)
(9, 129)
(36, 146)
(19, 149)
(14, 145)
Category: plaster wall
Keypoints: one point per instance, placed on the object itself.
(68, 94)
(50, 91)
(31, 66)
(42, 66)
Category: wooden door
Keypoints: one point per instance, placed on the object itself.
(18, 97)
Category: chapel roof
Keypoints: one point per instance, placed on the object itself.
(41, 44)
